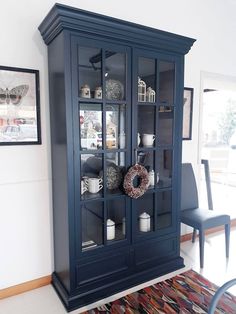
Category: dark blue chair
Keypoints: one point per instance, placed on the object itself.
(199, 218)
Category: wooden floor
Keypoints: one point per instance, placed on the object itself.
(217, 269)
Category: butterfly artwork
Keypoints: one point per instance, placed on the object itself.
(13, 96)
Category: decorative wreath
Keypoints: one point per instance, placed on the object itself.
(140, 171)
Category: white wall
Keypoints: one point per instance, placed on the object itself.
(25, 171)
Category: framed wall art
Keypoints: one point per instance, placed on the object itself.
(187, 113)
(19, 106)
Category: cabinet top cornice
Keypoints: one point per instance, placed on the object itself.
(62, 17)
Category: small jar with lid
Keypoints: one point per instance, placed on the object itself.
(98, 92)
(85, 91)
(151, 177)
(110, 229)
(144, 222)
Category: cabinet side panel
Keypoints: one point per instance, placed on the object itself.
(59, 158)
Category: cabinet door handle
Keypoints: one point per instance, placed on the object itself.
(135, 156)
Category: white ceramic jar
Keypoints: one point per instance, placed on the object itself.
(144, 222)
(98, 92)
(151, 177)
(110, 229)
(85, 91)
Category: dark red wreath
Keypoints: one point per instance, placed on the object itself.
(140, 171)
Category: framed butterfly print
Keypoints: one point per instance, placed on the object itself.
(19, 106)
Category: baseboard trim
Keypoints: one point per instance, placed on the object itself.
(188, 236)
(26, 286)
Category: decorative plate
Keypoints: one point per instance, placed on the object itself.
(114, 90)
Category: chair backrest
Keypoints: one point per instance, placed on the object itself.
(189, 193)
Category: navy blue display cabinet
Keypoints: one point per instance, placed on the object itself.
(116, 98)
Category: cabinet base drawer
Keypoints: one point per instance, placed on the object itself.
(102, 267)
(154, 252)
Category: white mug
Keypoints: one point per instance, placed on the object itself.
(83, 187)
(93, 184)
(148, 139)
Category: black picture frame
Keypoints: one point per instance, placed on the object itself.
(187, 113)
(19, 106)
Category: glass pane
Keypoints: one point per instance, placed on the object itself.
(145, 212)
(90, 126)
(164, 205)
(92, 225)
(146, 80)
(91, 176)
(146, 125)
(115, 75)
(147, 159)
(90, 84)
(165, 125)
(164, 168)
(166, 82)
(115, 126)
(115, 164)
(116, 223)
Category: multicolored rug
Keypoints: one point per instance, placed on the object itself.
(186, 293)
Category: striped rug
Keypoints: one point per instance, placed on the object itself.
(186, 293)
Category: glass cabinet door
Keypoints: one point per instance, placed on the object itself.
(104, 146)
(103, 108)
(154, 108)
